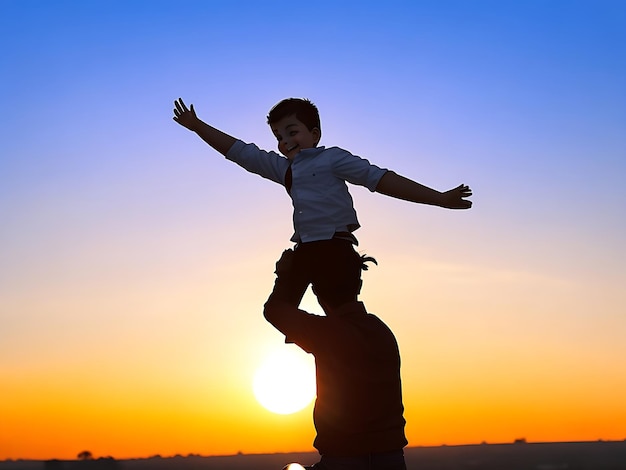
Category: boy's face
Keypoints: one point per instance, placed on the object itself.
(293, 136)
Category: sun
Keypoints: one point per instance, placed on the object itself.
(284, 383)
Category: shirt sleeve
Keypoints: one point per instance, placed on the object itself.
(269, 165)
(357, 170)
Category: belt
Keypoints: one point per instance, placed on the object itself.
(346, 236)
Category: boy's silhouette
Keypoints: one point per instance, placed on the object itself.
(315, 177)
(358, 412)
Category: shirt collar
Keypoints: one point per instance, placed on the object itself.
(312, 152)
(351, 307)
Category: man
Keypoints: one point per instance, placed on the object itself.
(358, 412)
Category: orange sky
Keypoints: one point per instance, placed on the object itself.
(134, 260)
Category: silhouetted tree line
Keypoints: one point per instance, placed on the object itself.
(85, 462)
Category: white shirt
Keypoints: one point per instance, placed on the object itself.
(322, 204)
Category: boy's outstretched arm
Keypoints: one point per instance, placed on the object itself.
(394, 185)
(217, 139)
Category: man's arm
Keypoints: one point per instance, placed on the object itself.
(298, 326)
(217, 139)
(394, 185)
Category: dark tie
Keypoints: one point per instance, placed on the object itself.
(288, 179)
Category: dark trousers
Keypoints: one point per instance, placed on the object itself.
(332, 267)
(378, 461)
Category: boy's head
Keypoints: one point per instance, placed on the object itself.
(296, 124)
(304, 110)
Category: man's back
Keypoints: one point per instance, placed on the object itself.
(359, 395)
(359, 407)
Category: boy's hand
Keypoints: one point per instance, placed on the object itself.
(185, 117)
(454, 198)
(217, 139)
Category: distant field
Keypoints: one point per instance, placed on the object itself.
(519, 456)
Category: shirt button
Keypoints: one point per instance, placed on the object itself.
(299, 212)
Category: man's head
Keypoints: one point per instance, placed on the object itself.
(335, 294)
(296, 125)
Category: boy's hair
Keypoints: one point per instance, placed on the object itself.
(304, 109)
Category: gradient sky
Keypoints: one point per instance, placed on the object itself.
(134, 260)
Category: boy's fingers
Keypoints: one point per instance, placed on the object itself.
(180, 105)
(465, 190)
(464, 205)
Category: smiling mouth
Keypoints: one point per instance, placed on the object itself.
(292, 148)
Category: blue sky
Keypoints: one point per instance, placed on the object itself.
(119, 226)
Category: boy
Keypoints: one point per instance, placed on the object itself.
(315, 177)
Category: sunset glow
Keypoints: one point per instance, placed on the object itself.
(285, 382)
(135, 261)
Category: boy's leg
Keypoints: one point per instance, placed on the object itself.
(332, 266)
(292, 278)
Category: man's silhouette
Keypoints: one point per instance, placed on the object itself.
(358, 412)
